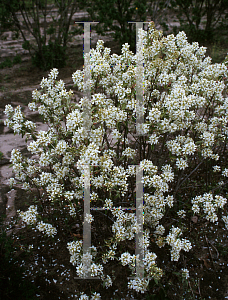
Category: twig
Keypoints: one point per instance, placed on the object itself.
(188, 176)
(199, 287)
(189, 283)
(209, 250)
(219, 187)
(104, 215)
(215, 249)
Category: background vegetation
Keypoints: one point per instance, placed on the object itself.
(51, 37)
(204, 21)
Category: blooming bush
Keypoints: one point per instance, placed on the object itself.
(180, 150)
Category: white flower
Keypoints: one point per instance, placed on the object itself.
(225, 219)
(208, 138)
(96, 296)
(225, 172)
(26, 186)
(195, 208)
(81, 270)
(30, 216)
(189, 149)
(83, 297)
(108, 203)
(74, 247)
(45, 159)
(12, 181)
(182, 213)
(30, 247)
(96, 269)
(125, 258)
(169, 200)
(32, 105)
(185, 273)
(174, 147)
(61, 147)
(89, 218)
(8, 110)
(181, 163)
(160, 229)
(107, 281)
(53, 74)
(216, 168)
(153, 139)
(154, 115)
(130, 153)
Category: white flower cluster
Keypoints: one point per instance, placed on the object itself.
(46, 228)
(209, 204)
(181, 213)
(155, 207)
(94, 296)
(138, 284)
(128, 152)
(176, 243)
(18, 168)
(182, 146)
(80, 260)
(30, 216)
(17, 121)
(148, 264)
(75, 248)
(158, 182)
(185, 273)
(160, 230)
(125, 226)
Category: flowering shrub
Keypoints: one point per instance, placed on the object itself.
(184, 133)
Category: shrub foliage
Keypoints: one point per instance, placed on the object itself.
(180, 149)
